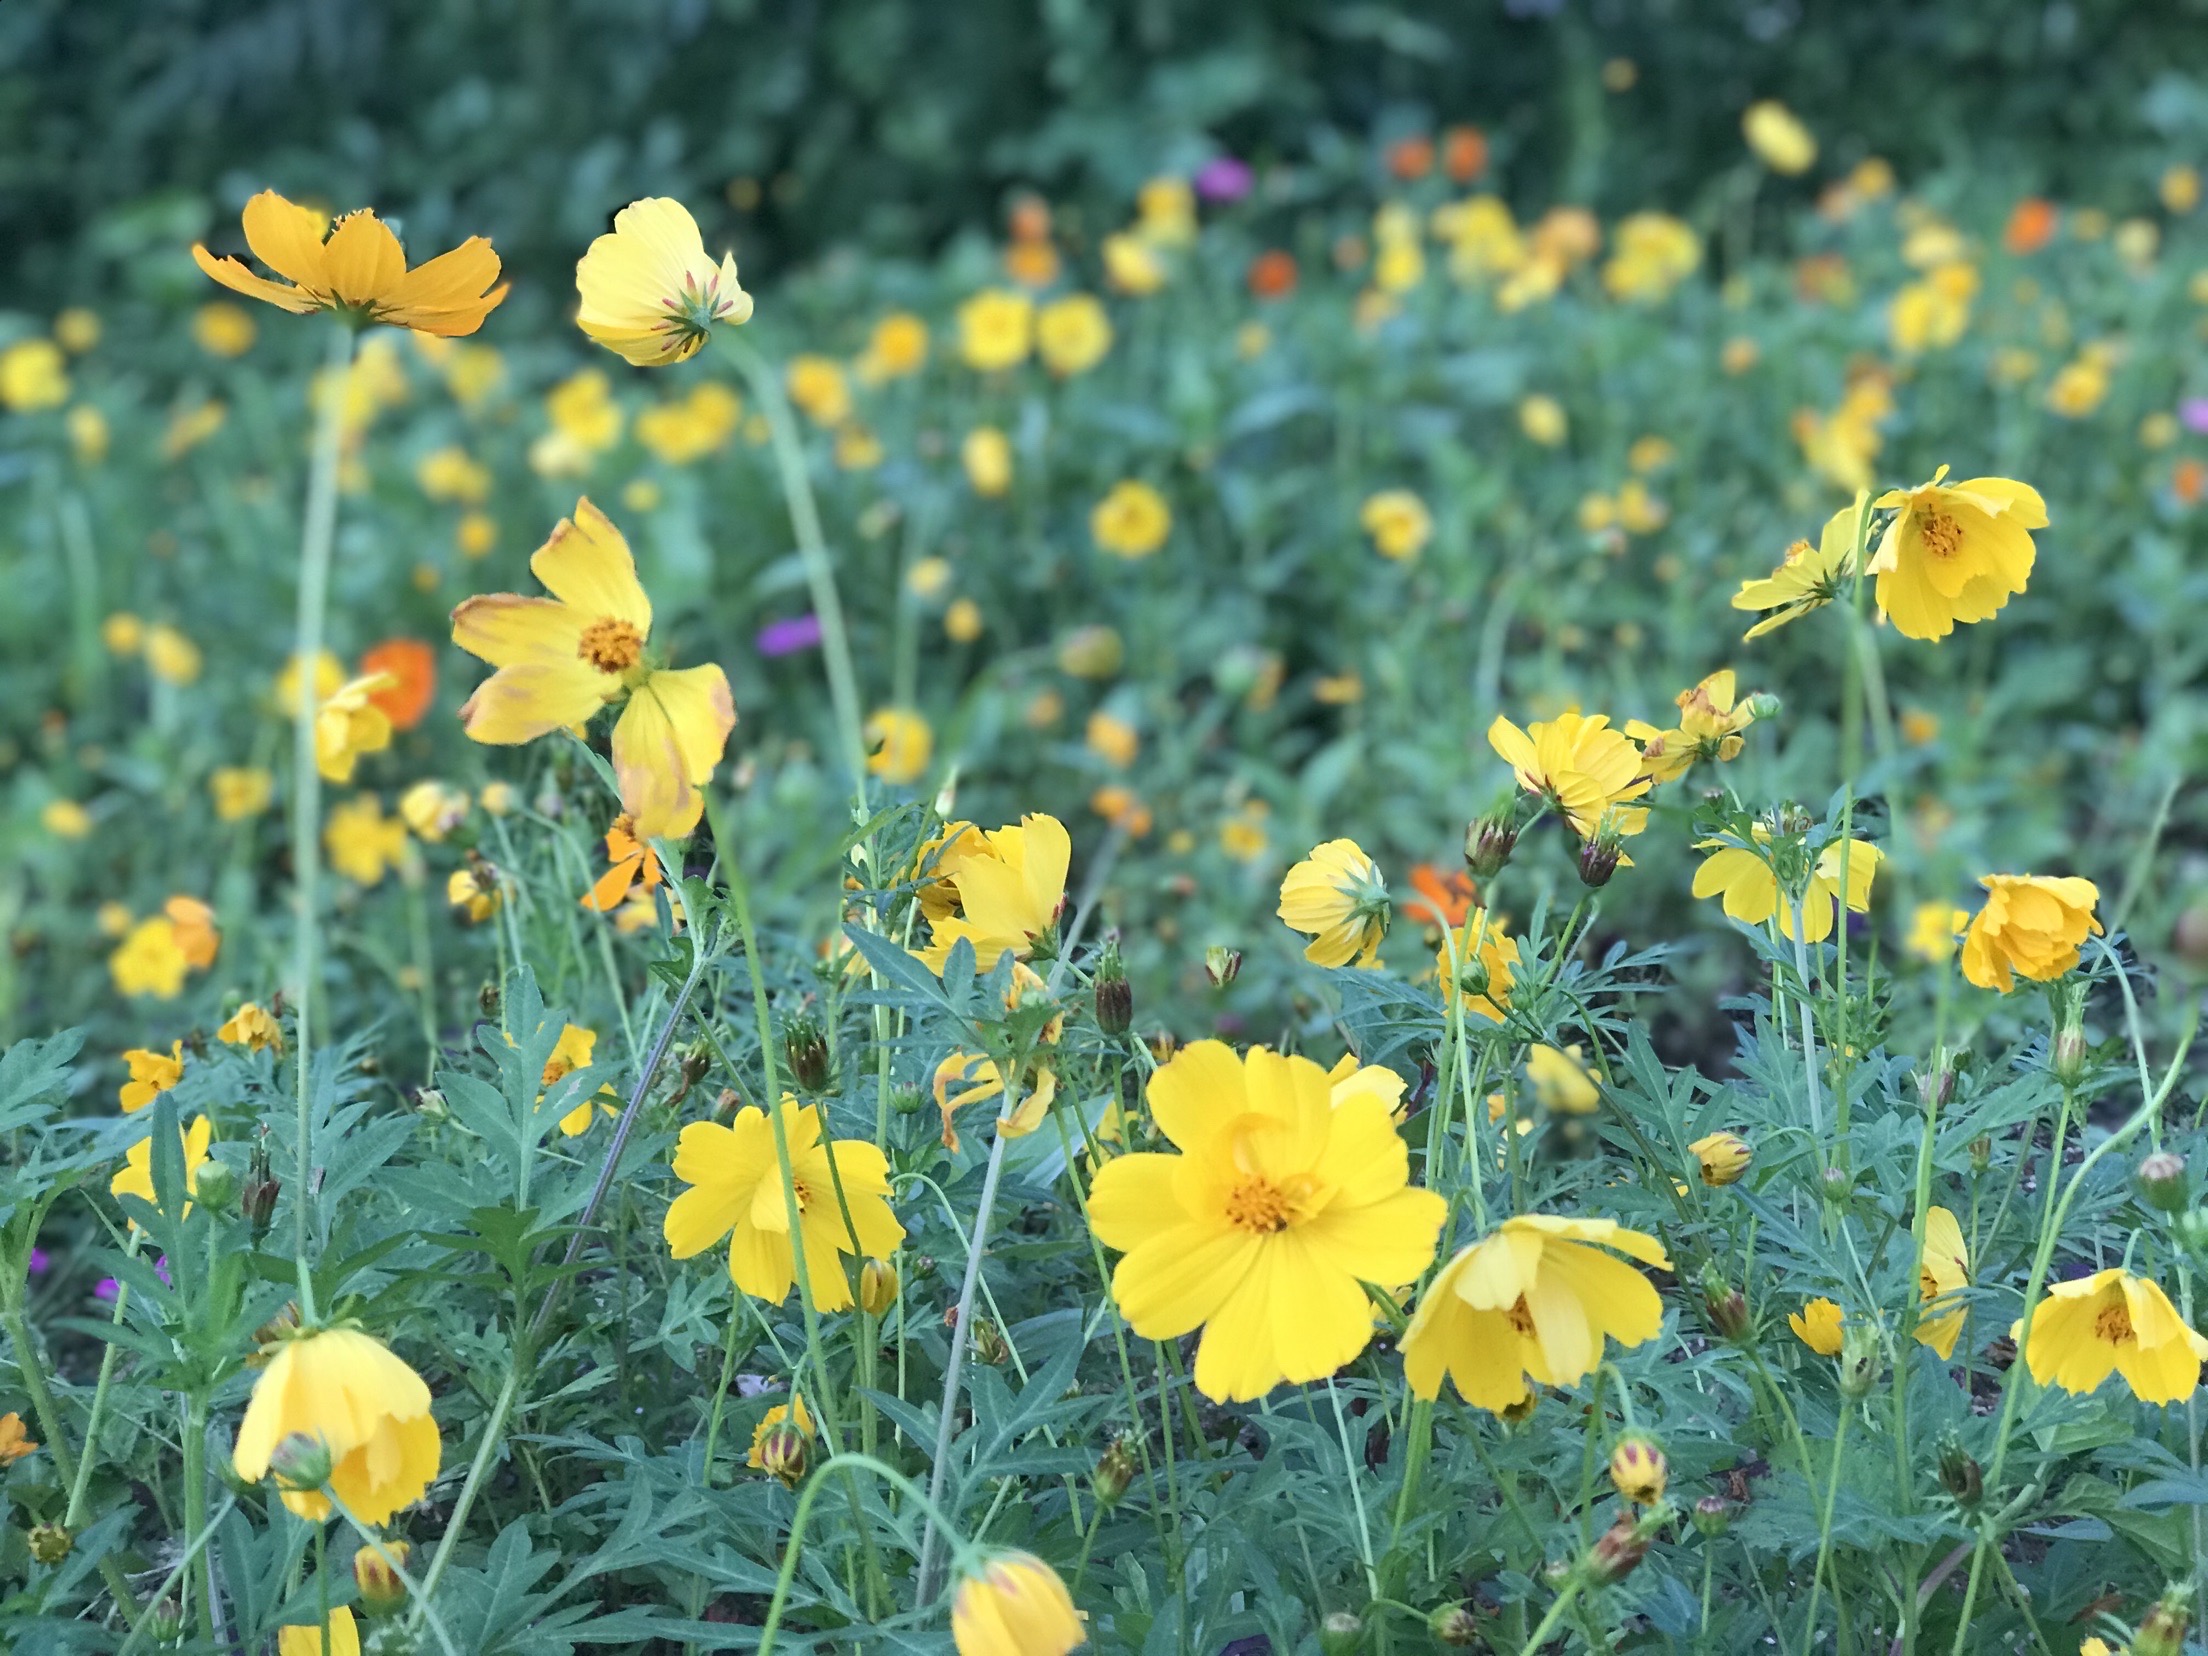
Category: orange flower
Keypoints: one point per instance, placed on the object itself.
(1464, 153)
(1443, 899)
(1411, 157)
(2188, 481)
(2031, 226)
(411, 666)
(1272, 274)
(195, 930)
(630, 860)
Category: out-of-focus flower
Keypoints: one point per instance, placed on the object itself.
(33, 376)
(787, 637)
(1223, 178)
(1651, 253)
(1398, 522)
(649, 290)
(1560, 1081)
(348, 725)
(2032, 225)
(1165, 210)
(898, 347)
(252, 1027)
(224, 330)
(1132, 265)
(1778, 137)
(451, 473)
(361, 842)
(77, 330)
(431, 810)
(899, 744)
(1272, 275)
(996, 330)
(1542, 418)
(1072, 334)
(1934, 929)
(986, 453)
(173, 658)
(1131, 521)
(65, 819)
(240, 791)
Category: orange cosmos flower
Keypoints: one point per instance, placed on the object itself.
(411, 666)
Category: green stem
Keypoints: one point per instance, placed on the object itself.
(195, 1505)
(847, 1462)
(1824, 1529)
(720, 1400)
(493, 1430)
(419, 1593)
(176, 1574)
(32, 1368)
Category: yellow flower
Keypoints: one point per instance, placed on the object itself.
(1808, 579)
(349, 724)
(1933, 929)
(1542, 419)
(1166, 210)
(306, 1639)
(189, 427)
(32, 376)
(1578, 764)
(451, 473)
(433, 809)
(2112, 1323)
(1263, 1229)
(348, 1391)
(689, 428)
(77, 330)
(1132, 265)
(650, 293)
(1131, 521)
(475, 534)
(136, 1177)
(474, 896)
(560, 659)
(361, 842)
(1560, 1081)
(1112, 739)
(1651, 253)
(252, 1028)
(1750, 885)
(1954, 551)
(962, 622)
(151, 1075)
(240, 791)
(329, 674)
(966, 1078)
(123, 633)
(15, 1442)
(986, 454)
(1349, 1079)
(570, 1053)
(194, 924)
(1337, 898)
(898, 347)
(795, 1412)
(87, 428)
(1817, 1325)
(1001, 891)
(1487, 961)
(1072, 334)
(820, 389)
(173, 658)
(1710, 722)
(150, 960)
(225, 330)
(1722, 1157)
(899, 744)
(736, 1191)
(357, 269)
(586, 421)
(2032, 924)
(2078, 387)
(1398, 522)
(1015, 1605)
(996, 329)
(1942, 1270)
(857, 449)
(65, 819)
(1778, 137)
(1533, 1300)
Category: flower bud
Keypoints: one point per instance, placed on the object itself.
(1723, 1157)
(1617, 1553)
(1115, 1470)
(1115, 996)
(1936, 1087)
(1452, 1624)
(50, 1543)
(1341, 1634)
(300, 1462)
(1837, 1185)
(877, 1287)
(1764, 705)
(1222, 965)
(1859, 1360)
(1598, 858)
(487, 998)
(1960, 1475)
(2162, 1181)
(1713, 1516)
(1724, 1308)
(782, 1452)
(907, 1100)
(989, 1342)
(165, 1622)
(2066, 1055)
(381, 1590)
(1489, 841)
(218, 1186)
(1638, 1469)
(2163, 1632)
(805, 1050)
(1981, 1153)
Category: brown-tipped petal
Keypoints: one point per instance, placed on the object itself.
(364, 259)
(288, 239)
(232, 274)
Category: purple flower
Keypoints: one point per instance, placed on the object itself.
(41, 1262)
(105, 1288)
(1223, 178)
(781, 638)
(2194, 412)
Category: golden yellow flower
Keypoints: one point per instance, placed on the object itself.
(349, 724)
(451, 473)
(2032, 925)
(225, 330)
(1561, 1083)
(1165, 209)
(966, 1078)
(1579, 765)
(1132, 265)
(361, 842)
(1750, 885)
(305, 1639)
(996, 329)
(253, 1028)
(1817, 1325)
(1072, 334)
(475, 534)
(650, 293)
(1954, 551)
(1651, 253)
(1015, 1605)
(472, 895)
(1933, 930)
(820, 389)
(795, 1412)
(1337, 897)
(1131, 521)
(349, 1392)
(194, 925)
(1722, 1157)
(1398, 522)
(33, 376)
(689, 428)
(87, 428)
(1778, 137)
(15, 1442)
(1711, 719)
(2112, 1323)
(560, 659)
(1809, 578)
(1943, 1270)
(151, 1075)
(857, 448)
(1112, 739)
(962, 621)
(123, 633)
(736, 1191)
(899, 744)
(1534, 1300)
(1350, 1079)
(1487, 961)
(173, 658)
(1000, 891)
(149, 960)
(897, 347)
(431, 810)
(357, 268)
(77, 330)
(240, 791)
(1280, 1205)
(65, 819)
(986, 453)
(136, 1177)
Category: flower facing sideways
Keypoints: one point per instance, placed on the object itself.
(136, 1177)
(1711, 719)
(1014, 1605)
(736, 1191)
(349, 1392)
(151, 1075)
(1578, 764)
(349, 724)
(2112, 1323)
(650, 292)
(629, 863)
(1001, 891)
(1261, 1231)
(1480, 961)
(1807, 579)
(1955, 551)
(2032, 926)
(1942, 1270)
(560, 659)
(1534, 1300)
(305, 1638)
(1337, 898)
(1750, 885)
(1817, 1325)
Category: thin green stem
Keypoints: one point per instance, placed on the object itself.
(1824, 1529)
(493, 1430)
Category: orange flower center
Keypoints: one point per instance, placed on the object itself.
(610, 645)
(2114, 1324)
(1943, 536)
(556, 1069)
(1521, 1318)
(1260, 1206)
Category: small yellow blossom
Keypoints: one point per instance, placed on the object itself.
(1398, 522)
(650, 292)
(996, 330)
(986, 453)
(899, 744)
(1072, 334)
(1337, 897)
(361, 842)
(1131, 521)
(224, 330)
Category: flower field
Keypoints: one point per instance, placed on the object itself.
(1342, 917)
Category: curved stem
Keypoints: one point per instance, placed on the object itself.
(850, 1462)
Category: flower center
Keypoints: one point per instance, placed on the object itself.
(610, 645)
(1521, 1319)
(1260, 1206)
(1943, 536)
(555, 1070)
(2114, 1324)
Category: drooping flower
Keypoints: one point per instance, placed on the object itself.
(1131, 521)
(736, 1191)
(1579, 765)
(1015, 1605)
(136, 1176)
(357, 268)
(349, 724)
(629, 862)
(253, 1028)
(352, 1394)
(151, 1075)
(1954, 551)
(1711, 719)
(1485, 962)
(560, 659)
(2112, 1323)
(967, 1078)
(1943, 1269)
(1817, 1325)
(1279, 1205)
(1807, 579)
(1337, 897)
(1398, 522)
(2032, 925)
(1533, 1300)
(1561, 1082)
(1750, 885)
(1722, 1157)
(1007, 887)
(650, 293)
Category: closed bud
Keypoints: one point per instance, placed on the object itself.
(1598, 858)
(1764, 705)
(1341, 1634)
(1713, 1516)
(2162, 1181)
(50, 1543)
(1115, 1470)
(1859, 1361)
(1115, 996)
(877, 1287)
(782, 1452)
(1638, 1469)
(989, 1342)
(381, 1590)
(300, 1462)
(1489, 841)
(1936, 1087)
(487, 998)
(697, 1059)
(2163, 1632)
(1837, 1185)
(907, 1100)
(1724, 1307)
(2066, 1056)
(1981, 1153)
(1452, 1624)
(1723, 1157)
(805, 1048)
(217, 1186)
(431, 1102)
(1617, 1553)
(1222, 965)
(165, 1622)
(258, 1203)
(1960, 1475)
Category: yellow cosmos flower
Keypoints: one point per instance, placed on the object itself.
(795, 1412)
(1722, 1157)
(1112, 739)
(897, 347)
(1711, 719)
(150, 960)
(1337, 898)
(151, 1075)
(1132, 265)
(1561, 1082)
(996, 329)
(349, 1392)
(1486, 961)
(1651, 253)
(1778, 137)
(2112, 1323)
(240, 791)
(1280, 1205)
(692, 427)
(1808, 579)
(1750, 885)
(1015, 1605)
(1933, 929)
(123, 633)
(736, 1191)
(33, 376)
(350, 724)
(361, 842)
(306, 1640)
(433, 809)
(650, 293)
(1579, 765)
(1942, 1270)
(136, 1177)
(2032, 925)
(966, 1078)
(1350, 1079)
(222, 329)
(1072, 334)
(820, 389)
(560, 659)
(1533, 1300)
(986, 453)
(473, 896)
(1131, 521)
(570, 1053)
(65, 819)
(174, 658)
(1817, 1325)
(1398, 522)
(253, 1028)
(1008, 887)
(899, 744)
(1954, 551)
(15, 1442)
(1542, 418)
(357, 269)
